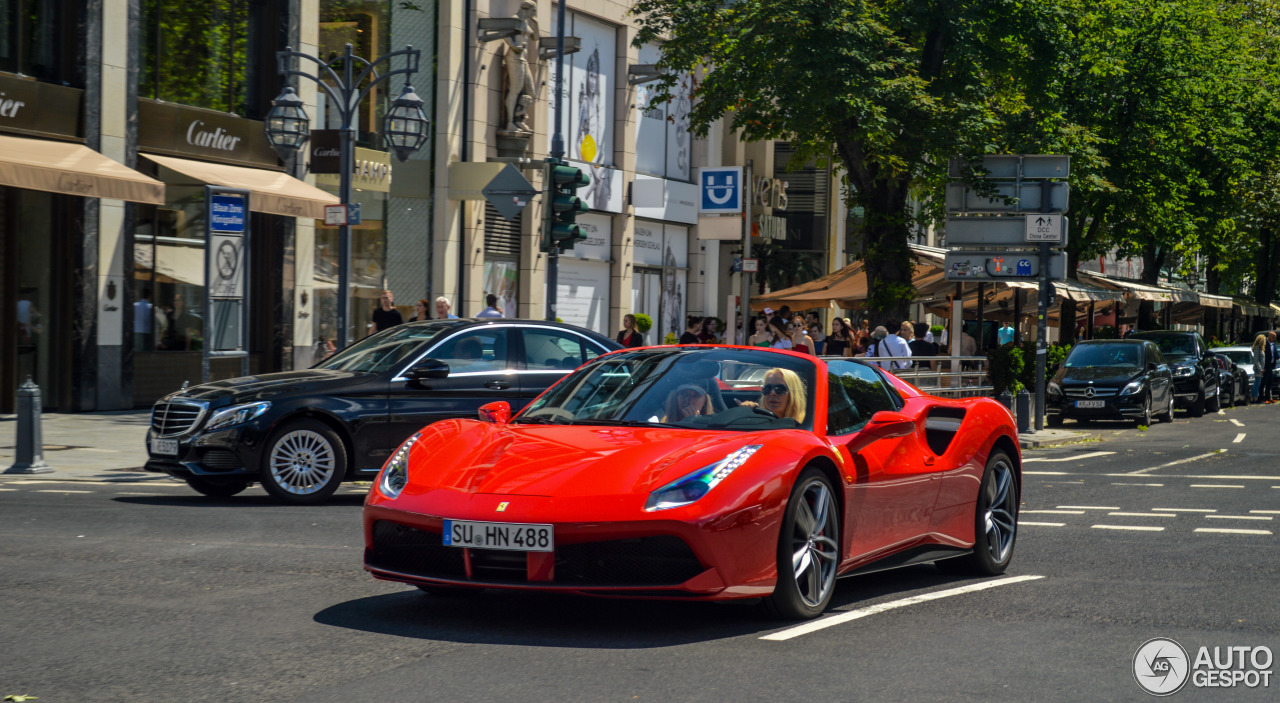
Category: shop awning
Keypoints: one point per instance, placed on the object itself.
(271, 192)
(73, 169)
(848, 286)
(1210, 300)
(1139, 291)
(1073, 290)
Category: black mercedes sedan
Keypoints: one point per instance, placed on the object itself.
(1113, 379)
(301, 433)
(1194, 368)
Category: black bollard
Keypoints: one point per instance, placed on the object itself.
(29, 447)
(1006, 399)
(1024, 411)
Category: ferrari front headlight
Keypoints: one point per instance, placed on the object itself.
(697, 484)
(395, 474)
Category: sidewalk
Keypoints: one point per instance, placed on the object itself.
(101, 446)
(1053, 438)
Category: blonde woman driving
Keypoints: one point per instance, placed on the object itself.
(782, 394)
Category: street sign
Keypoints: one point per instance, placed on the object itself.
(353, 214)
(499, 183)
(227, 213)
(1034, 166)
(335, 215)
(998, 231)
(1046, 228)
(720, 190)
(1008, 197)
(751, 266)
(983, 266)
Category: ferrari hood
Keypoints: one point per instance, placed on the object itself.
(561, 461)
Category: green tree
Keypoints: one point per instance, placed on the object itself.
(894, 88)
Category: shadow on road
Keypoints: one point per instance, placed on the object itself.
(561, 620)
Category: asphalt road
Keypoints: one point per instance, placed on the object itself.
(113, 592)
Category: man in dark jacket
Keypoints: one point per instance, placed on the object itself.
(1269, 367)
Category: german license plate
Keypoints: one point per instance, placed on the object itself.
(499, 535)
(1091, 403)
(167, 447)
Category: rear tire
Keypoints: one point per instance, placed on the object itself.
(1214, 404)
(215, 487)
(995, 521)
(1167, 415)
(1197, 407)
(808, 550)
(1231, 396)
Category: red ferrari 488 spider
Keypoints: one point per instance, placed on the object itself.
(701, 472)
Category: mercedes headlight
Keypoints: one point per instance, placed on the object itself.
(1134, 387)
(1054, 389)
(395, 474)
(697, 484)
(1183, 371)
(237, 415)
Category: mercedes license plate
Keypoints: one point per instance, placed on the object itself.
(499, 535)
(167, 447)
(1091, 403)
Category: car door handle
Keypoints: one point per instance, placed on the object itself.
(497, 385)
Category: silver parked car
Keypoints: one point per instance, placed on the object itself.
(1243, 356)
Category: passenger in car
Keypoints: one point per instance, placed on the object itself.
(686, 401)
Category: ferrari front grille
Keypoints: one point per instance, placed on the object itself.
(645, 561)
(409, 551)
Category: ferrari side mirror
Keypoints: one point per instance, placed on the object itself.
(497, 412)
(885, 424)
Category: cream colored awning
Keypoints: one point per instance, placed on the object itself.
(271, 192)
(73, 169)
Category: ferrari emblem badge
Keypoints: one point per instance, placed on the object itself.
(502, 507)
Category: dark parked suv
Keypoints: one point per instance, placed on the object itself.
(1195, 371)
(1114, 379)
(301, 433)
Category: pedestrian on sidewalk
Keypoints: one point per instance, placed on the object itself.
(892, 346)
(1259, 353)
(385, 316)
(442, 309)
(1269, 363)
(492, 310)
(422, 310)
(693, 326)
(630, 336)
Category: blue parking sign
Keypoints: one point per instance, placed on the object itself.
(721, 190)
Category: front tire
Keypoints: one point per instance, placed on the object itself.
(1197, 407)
(304, 463)
(1167, 416)
(1145, 419)
(995, 521)
(216, 487)
(1230, 400)
(808, 550)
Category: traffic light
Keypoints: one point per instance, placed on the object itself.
(564, 181)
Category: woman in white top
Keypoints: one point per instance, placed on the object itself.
(781, 335)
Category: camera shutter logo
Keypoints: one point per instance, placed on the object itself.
(1161, 666)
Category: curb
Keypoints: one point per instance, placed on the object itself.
(1032, 442)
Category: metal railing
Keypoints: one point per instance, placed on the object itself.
(949, 376)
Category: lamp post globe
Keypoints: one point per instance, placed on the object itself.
(287, 124)
(406, 125)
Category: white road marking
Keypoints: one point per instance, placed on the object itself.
(1076, 457)
(1053, 512)
(1260, 512)
(8, 489)
(1139, 472)
(1239, 438)
(1213, 485)
(1045, 473)
(1041, 524)
(1088, 507)
(1221, 411)
(850, 615)
(1187, 510)
(1143, 515)
(1239, 517)
(136, 493)
(1236, 422)
(1138, 528)
(1116, 483)
(59, 490)
(1226, 531)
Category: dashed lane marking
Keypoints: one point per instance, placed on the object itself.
(1227, 531)
(1117, 483)
(1088, 507)
(1239, 438)
(1265, 512)
(1188, 460)
(1213, 485)
(1041, 524)
(1186, 510)
(848, 616)
(1053, 512)
(1045, 473)
(8, 489)
(1142, 515)
(59, 490)
(1076, 457)
(1136, 528)
(1236, 422)
(1239, 517)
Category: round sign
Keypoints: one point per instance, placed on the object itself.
(588, 148)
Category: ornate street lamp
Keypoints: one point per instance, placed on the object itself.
(406, 129)
(287, 124)
(406, 124)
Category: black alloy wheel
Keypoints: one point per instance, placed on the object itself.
(217, 487)
(1214, 404)
(808, 550)
(1167, 415)
(1144, 420)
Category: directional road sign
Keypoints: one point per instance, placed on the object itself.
(501, 184)
(1008, 197)
(1034, 166)
(1046, 227)
(981, 266)
(1001, 231)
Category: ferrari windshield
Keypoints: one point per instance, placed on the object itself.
(379, 352)
(703, 388)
